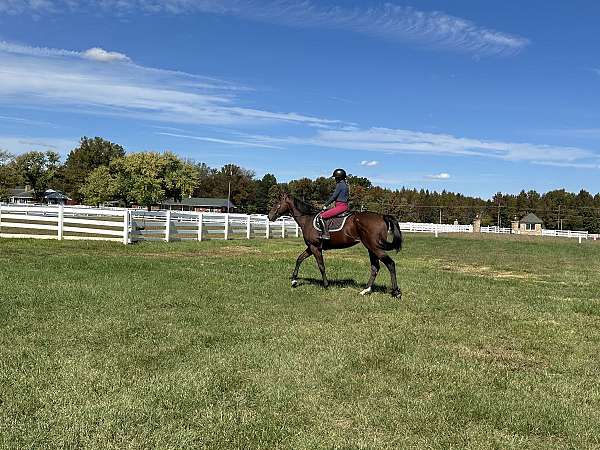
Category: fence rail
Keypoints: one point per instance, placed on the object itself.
(134, 225)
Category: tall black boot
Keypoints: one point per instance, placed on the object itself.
(324, 231)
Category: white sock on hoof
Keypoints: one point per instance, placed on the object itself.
(294, 283)
(365, 291)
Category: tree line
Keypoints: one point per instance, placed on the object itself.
(99, 171)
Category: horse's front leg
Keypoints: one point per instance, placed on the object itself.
(305, 254)
(374, 271)
(319, 257)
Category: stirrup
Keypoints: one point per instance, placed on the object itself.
(324, 235)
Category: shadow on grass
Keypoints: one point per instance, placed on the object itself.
(343, 283)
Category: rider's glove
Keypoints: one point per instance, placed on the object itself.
(324, 208)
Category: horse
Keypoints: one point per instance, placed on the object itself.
(370, 229)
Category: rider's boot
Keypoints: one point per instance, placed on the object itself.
(324, 231)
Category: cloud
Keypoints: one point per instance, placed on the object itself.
(398, 141)
(221, 141)
(99, 54)
(70, 80)
(384, 20)
(369, 163)
(18, 144)
(439, 176)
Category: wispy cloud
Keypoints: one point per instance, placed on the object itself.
(385, 20)
(394, 141)
(221, 141)
(42, 77)
(573, 132)
(24, 121)
(369, 163)
(439, 176)
(17, 144)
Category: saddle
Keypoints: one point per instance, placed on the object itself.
(336, 223)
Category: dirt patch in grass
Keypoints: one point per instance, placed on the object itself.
(501, 356)
(489, 272)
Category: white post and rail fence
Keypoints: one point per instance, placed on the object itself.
(132, 225)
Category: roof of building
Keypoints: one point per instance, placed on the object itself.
(531, 218)
(19, 193)
(51, 194)
(200, 202)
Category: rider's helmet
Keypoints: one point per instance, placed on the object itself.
(339, 174)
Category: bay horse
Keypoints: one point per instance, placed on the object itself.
(368, 228)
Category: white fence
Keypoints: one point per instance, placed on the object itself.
(126, 225)
(416, 227)
(496, 230)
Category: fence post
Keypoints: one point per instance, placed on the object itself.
(580, 239)
(126, 227)
(282, 228)
(297, 230)
(200, 218)
(226, 226)
(168, 226)
(268, 228)
(61, 216)
(435, 229)
(248, 226)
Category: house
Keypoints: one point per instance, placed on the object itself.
(26, 195)
(53, 197)
(530, 224)
(199, 204)
(21, 195)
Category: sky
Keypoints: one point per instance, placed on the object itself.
(467, 96)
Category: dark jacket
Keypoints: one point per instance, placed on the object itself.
(341, 193)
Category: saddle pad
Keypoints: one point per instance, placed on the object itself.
(334, 224)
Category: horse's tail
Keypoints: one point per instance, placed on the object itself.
(394, 227)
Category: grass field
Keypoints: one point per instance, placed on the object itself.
(495, 344)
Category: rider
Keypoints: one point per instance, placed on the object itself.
(340, 196)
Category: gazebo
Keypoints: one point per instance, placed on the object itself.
(531, 224)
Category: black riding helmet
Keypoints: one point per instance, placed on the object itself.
(339, 174)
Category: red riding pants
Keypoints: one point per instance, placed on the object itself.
(339, 208)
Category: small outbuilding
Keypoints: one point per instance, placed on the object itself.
(531, 224)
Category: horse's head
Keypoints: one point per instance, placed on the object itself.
(281, 207)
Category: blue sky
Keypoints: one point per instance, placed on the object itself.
(473, 97)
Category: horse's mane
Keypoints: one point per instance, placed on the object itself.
(304, 207)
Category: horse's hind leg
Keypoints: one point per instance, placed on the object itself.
(391, 265)
(305, 254)
(374, 271)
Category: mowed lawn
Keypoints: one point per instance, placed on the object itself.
(495, 344)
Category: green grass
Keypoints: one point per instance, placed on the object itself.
(495, 344)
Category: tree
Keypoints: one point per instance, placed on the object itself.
(37, 169)
(7, 173)
(100, 186)
(262, 192)
(91, 154)
(145, 179)
(149, 178)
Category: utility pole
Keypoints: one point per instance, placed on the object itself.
(230, 173)
(440, 216)
(559, 224)
(498, 214)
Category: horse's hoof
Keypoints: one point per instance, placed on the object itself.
(366, 291)
(397, 293)
(294, 283)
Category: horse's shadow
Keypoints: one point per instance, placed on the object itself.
(343, 283)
